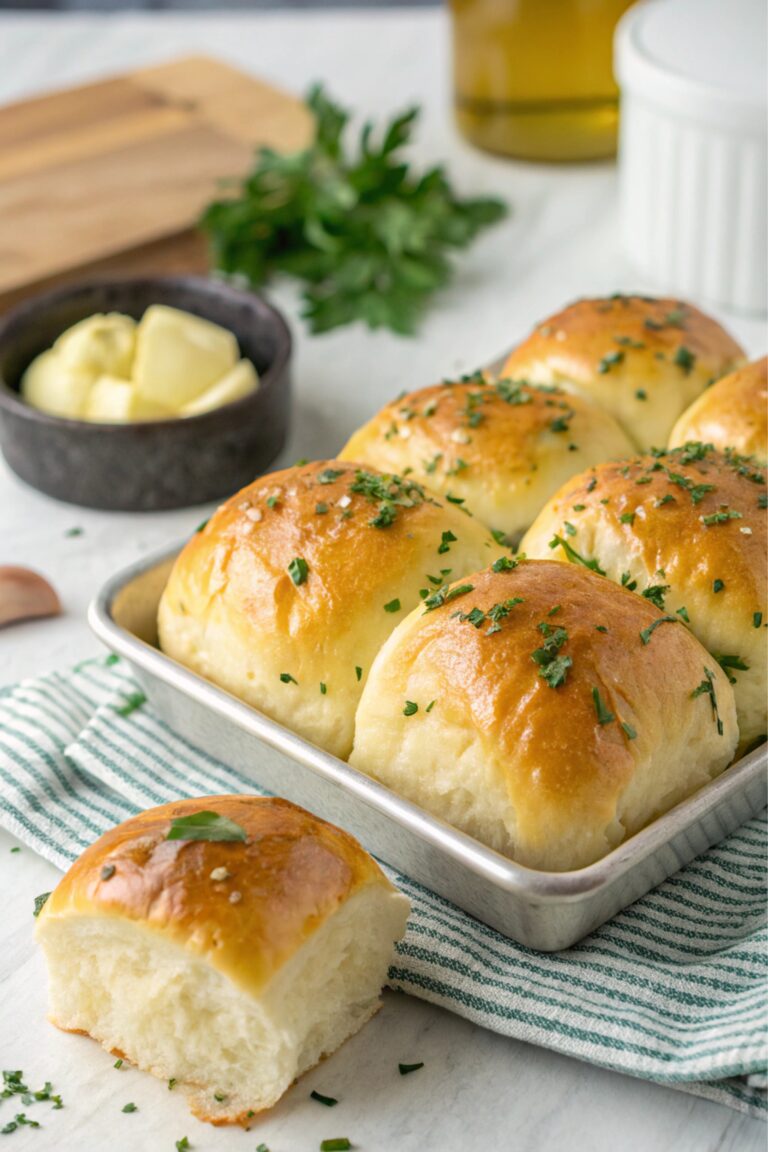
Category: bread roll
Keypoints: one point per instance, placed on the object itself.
(287, 594)
(644, 360)
(733, 413)
(228, 967)
(691, 524)
(544, 711)
(504, 447)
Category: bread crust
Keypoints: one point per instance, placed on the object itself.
(292, 873)
(733, 413)
(644, 359)
(504, 447)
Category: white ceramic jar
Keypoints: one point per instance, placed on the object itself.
(692, 147)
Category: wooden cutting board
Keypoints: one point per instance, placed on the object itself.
(111, 177)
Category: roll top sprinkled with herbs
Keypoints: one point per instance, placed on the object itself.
(291, 588)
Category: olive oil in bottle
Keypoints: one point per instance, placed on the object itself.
(534, 78)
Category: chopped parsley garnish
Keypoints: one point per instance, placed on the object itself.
(627, 581)
(298, 570)
(133, 701)
(646, 633)
(604, 714)
(273, 501)
(609, 360)
(358, 673)
(627, 518)
(561, 423)
(431, 465)
(454, 499)
(323, 688)
(683, 614)
(201, 526)
(707, 688)
(552, 667)
(675, 318)
(592, 484)
(732, 662)
(406, 1069)
(667, 498)
(40, 903)
(444, 595)
(411, 708)
(717, 585)
(600, 628)
(392, 606)
(574, 556)
(129, 1108)
(684, 359)
(656, 593)
(504, 564)
(757, 619)
(641, 394)
(172, 1083)
(205, 825)
(321, 508)
(286, 678)
(721, 517)
(446, 539)
(570, 530)
(328, 475)
(430, 706)
(629, 731)
(329, 1101)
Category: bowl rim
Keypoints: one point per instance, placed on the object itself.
(28, 309)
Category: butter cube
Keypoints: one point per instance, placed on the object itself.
(116, 401)
(238, 382)
(100, 344)
(50, 386)
(179, 356)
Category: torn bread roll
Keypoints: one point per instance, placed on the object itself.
(230, 966)
(545, 711)
(287, 594)
(642, 359)
(503, 447)
(688, 529)
(733, 413)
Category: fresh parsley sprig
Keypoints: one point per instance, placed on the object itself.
(369, 237)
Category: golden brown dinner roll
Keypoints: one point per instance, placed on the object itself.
(733, 413)
(644, 360)
(287, 594)
(544, 711)
(686, 528)
(228, 966)
(501, 446)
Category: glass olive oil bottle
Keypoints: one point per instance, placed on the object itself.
(533, 78)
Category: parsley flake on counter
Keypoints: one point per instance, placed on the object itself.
(205, 825)
(20, 1120)
(406, 1069)
(71, 532)
(329, 1101)
(129, 1108)
(707, 688)
(604, 714)
(286, 678)
(298, 570)
(411, 708)
(172, 1083)
(369, 237)
(183, 1145)
(336, 1144)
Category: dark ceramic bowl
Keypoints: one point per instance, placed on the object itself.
(157, 463)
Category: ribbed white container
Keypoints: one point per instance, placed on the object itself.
(692, 147)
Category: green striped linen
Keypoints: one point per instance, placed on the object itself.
(672, 990)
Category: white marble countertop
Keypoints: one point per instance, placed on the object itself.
(477, 1090)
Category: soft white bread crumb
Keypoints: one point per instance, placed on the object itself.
(229, 967)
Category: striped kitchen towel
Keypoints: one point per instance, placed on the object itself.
(673, 989)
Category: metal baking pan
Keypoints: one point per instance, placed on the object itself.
(543, 910)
